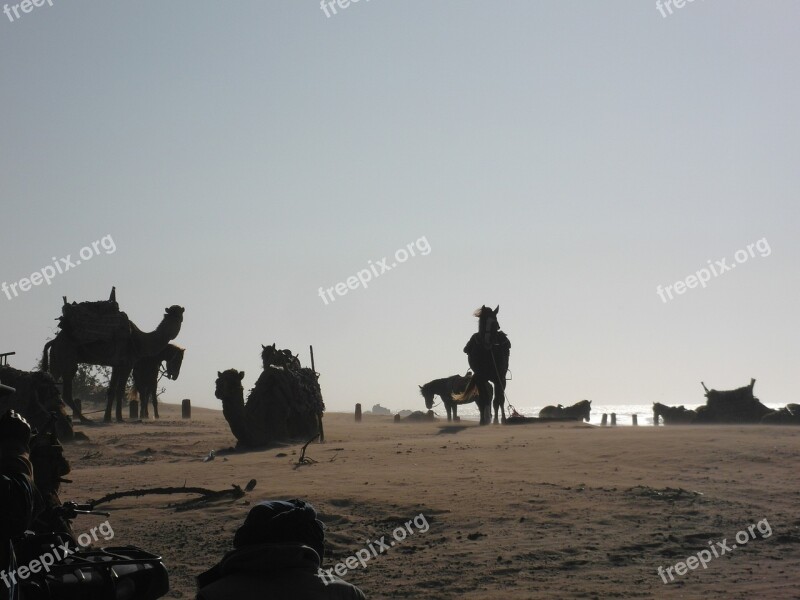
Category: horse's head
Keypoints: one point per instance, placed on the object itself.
(586, 409)
(487, 319)
(658, 410)
(428, 395)
(174, 363)
(268, 354)
(229, 383)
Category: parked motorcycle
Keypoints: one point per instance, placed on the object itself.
(57, 567)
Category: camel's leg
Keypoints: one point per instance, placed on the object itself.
(67, 378)
(144, 399)
(123, 380)
(142, 390)
(110, 394)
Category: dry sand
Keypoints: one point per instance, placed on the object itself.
(526, 511)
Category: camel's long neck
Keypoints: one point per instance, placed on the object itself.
(154, 342)
(234, 413)
(168, 329)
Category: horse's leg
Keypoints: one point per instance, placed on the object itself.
(501, 400)
(155, 406)
(455, 412)
(496, 399)
(449, 408)
(485, 401)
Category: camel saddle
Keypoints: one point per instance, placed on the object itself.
(88, 322)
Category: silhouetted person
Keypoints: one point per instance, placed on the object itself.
(16, 492)
(278, 554)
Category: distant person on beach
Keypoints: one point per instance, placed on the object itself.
(16, 492)
(277, 555)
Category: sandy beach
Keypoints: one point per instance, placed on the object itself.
(527, 511)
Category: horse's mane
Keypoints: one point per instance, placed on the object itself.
(428, 386)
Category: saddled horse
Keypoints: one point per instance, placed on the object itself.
(488, 352)
(146, 374)
(445, 388)
(577, 412)
(673, 415)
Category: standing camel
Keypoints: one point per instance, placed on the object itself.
(62, 354)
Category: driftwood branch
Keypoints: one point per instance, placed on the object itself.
(303, 460)
(206, 494)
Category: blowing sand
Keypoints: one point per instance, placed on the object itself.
(526, 511)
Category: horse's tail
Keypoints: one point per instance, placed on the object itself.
(467, 394)
(46, 356)
(133, 394)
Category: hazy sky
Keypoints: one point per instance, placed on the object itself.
(561, 159)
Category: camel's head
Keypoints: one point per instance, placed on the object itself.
(229, 383)
(174, 311)
(174, 363)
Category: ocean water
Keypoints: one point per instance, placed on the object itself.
(624, 412)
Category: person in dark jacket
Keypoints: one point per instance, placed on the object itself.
(277, 555)
(16, 493)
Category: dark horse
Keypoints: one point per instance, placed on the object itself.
(488, 352)
(672, 415)
(445, 388)
(577, 412)
(145, 376)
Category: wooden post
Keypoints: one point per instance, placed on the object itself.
(358, 413)
(186, 408)
(133, 407)
(604, 422)
(635, 420)
(613, 419)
